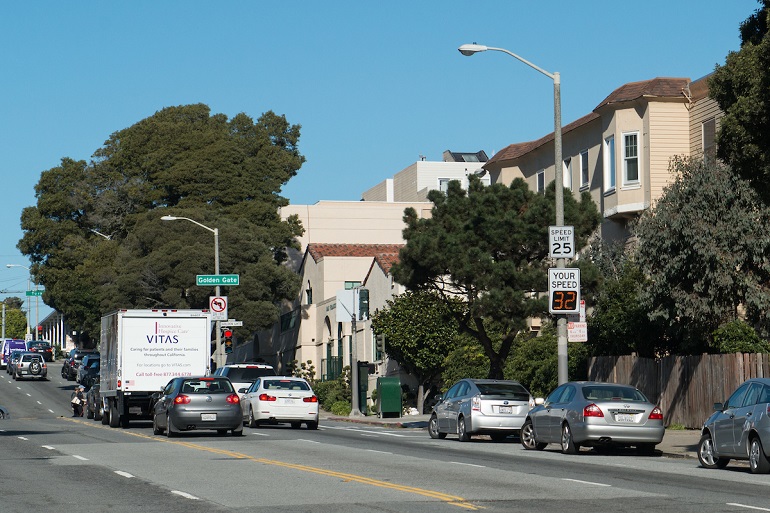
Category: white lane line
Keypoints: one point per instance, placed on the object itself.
(124, 474)
(81, 458)
(308, 441)
(380, 452)
(369, 435)
(29, 395)
(466, 464)
(39, 402)
(51, 411)
(23, 438)
(585, 482)
(357, 430)
(259, 434)
(185, 495)
(747, 506)
(47, 447)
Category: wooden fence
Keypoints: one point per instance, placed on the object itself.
(685, 387)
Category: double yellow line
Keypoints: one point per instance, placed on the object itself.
(453, 500)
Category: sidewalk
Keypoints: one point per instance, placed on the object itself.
(677, 443)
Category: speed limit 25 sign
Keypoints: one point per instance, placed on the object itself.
(561, 241)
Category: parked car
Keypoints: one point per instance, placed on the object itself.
(30, 365)
(42, 347)
(189, 403)
(480, 407)
(589, 413)
(13, 359)
(88, 369)
(242, 375)
(69, 370)
(280, 400)
(9, 345)
(739, 429)
(94, 406)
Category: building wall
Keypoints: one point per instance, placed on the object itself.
(701, 111)
(669, 136)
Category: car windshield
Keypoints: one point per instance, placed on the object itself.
(241, 374)
(509, 390)
(207, 386)
(612, 393)
(285, 384)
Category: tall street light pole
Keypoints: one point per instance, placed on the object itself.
(215, 231)
(561, 320)
(37, 298)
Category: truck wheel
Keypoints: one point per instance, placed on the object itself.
(105, 415)
(114, 415)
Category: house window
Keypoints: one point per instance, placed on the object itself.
(609, 163)
(709, 140)
(631, 158)
(584, 168)
(541, 180)
(443, 184)
(352, 284)
(567, 173)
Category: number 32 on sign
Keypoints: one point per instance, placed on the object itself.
(563, 290)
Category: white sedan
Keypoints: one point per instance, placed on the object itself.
(280, 400)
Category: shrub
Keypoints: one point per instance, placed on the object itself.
(738, 337)
(334, 391)
(341, 408)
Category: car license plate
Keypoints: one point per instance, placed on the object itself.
(506, 409)
(135, 410)
(625, 417)
(289, 400)
(208, 416)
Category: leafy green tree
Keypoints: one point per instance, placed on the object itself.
(13, 302)
(488, 247)
(704, 248)
(182, 161)
(738, 337)
(466, 360)
(15, 323)
(419, 333)
(742, 89)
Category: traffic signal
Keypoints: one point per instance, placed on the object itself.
(228, 334)
(379, 341)
(363, 304)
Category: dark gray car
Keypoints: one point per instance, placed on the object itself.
(739, 429)
(594, 414)
(480, 407)
(191, 403)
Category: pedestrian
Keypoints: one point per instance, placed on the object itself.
(77, 400)
(82, 396)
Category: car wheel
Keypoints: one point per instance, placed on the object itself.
(568, 445)
(238, 431)
(156, 430)
(528, 439)
(170, 432)
(707, 455)
(34, 368)
(312, 425)
(114, 415)
(252, 421)
(433, 428)
(645, 449)
(757, 459)
(462, 433)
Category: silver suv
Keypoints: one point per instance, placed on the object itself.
(739, 429)
(242, 375)
(30, 365)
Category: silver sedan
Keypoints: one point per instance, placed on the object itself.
(601, 415)
(481, 407)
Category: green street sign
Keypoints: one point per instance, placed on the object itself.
(34, 292)
(208, 280)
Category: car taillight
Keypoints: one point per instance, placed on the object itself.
(265, 397)
(592, 411)
(656, 414)
(476, 403)
(182, 399)
(233, 399)
(311, 399)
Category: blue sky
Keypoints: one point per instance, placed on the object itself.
(373, 84)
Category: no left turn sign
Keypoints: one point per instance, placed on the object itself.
(218, 307)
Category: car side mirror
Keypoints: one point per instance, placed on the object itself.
(439, 398)
(719, 407)
(243, 390)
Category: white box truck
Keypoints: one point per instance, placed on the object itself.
(141, 350)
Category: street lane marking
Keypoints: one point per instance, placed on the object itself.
(357, 430)
(452, 500)
(124, 474)
(467, 464)
(260, 434)
(23, 438)
(39, 402)
(47, 447)
(81, 458)
(747, 506)
(185, 495)
(381, 452)
(586, 482)
(308, 441)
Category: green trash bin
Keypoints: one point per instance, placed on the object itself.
(389, 397)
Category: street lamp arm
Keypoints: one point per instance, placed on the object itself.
(469, 50)
(175, 218)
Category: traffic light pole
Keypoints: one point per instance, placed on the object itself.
(354, 410)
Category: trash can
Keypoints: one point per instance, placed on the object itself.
(388, 397)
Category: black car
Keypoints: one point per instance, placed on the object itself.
(13, 359)
(41, 347)
(69, 370)
(88, 369)
(94, 406)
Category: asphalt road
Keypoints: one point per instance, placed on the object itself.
(50, 459)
